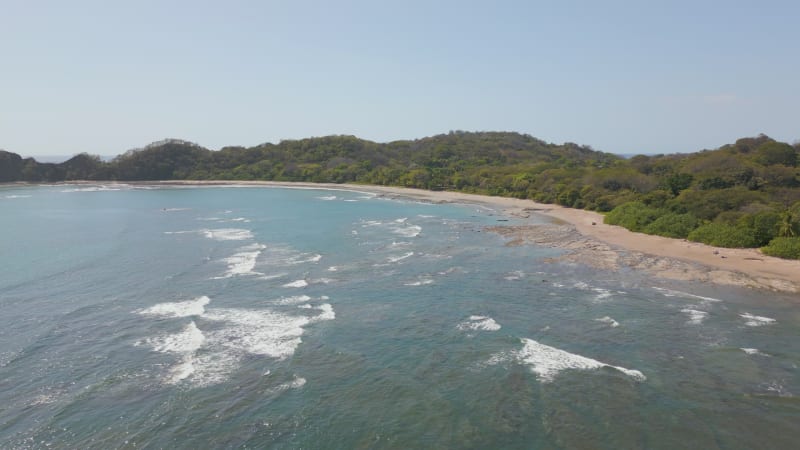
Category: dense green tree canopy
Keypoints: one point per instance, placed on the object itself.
(742, 194)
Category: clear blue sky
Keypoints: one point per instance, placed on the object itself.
(621, 76)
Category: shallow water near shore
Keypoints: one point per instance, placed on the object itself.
(228, 317)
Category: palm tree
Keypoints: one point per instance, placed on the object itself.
(786, 228)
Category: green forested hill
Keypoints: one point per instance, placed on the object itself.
(745, 194)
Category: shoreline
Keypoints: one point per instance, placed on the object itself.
(585, 237)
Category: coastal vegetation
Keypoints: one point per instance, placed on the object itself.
(745, 194)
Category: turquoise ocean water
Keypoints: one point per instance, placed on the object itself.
(230, 317)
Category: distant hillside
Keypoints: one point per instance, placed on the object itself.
(742, 194)
(429, 162)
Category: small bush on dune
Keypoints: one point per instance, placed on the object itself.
(724, 235)
(783, 247)
(673, 225)
(634, 216)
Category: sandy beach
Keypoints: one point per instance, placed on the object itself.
(589, 241)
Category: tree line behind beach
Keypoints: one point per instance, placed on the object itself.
(745, 194)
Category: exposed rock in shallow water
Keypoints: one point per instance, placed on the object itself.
(585, 250)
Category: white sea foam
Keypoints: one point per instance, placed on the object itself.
(283, 255)
(326, 314)
(410, 231)
(420, 282)
(293, 300)
(515, 275)
(333, 269)
(753, 351)
(45, 399)
(188, 308)
(244, 262)
(673, 293)
(608, 320)
(327, 197)
(241, 263)
(223, 220)
(437, 256)
(209, 366)
(265, 332)
(297, 383)
(777, 388)
(296, 284)
(696, 317)
(182, 370)
(253, 247)
(174, 209)
(17, 196)
(450, 270)
(184, 232)
(313, 258)
(401, 220)
(228, 234)
(394, 259)
(478, 323)
(305, 306)
(188, 340)
(601, 293)
(756, 321)
(102, 188)
(546, 362)
(210, 356)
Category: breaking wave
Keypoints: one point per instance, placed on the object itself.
(608, 320)
(210, 355)
(696, 317)
(756, 321)
(479, 323)
(187, 308)
(547, 362)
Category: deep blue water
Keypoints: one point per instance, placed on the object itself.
(135, 317)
